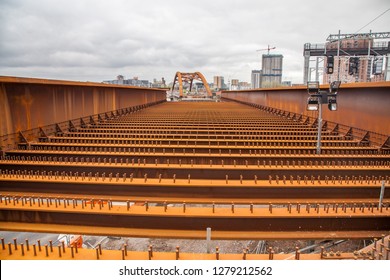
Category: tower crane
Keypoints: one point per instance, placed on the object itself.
(267, 49)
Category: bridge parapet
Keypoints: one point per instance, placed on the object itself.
(38, 106)
(362, 107)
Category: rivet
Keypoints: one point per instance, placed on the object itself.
(15, 244)
(47, 250)
(270, 253)
(297, 253)
(177, 252)
(381, 246)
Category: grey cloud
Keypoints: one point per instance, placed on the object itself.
(99, 39)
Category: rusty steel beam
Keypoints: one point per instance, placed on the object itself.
(180, 146)
(361, 105)
(12, 250)
(166, 170)
(327, 219)
(189, 234)
(185, 156)
(23, 100)
(286, 140)
(145, 145)
(115, 184)
(9, 142)
(191, 200)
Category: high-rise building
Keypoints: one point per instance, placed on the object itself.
(234, 84)
(256, 79)
(244, 85)
(272, 69)
(219, 82)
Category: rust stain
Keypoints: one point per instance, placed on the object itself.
(25, 101)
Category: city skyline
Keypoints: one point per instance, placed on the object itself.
(97, 40)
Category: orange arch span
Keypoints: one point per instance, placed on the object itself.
(190, 77)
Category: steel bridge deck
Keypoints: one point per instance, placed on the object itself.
(245, 172)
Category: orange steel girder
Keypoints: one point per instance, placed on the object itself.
(189, 77)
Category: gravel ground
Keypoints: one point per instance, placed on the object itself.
(225, 246)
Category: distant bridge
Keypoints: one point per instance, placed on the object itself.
(189, 78)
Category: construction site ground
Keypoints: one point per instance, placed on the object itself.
(225, 246)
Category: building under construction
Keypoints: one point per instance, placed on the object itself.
(272, 70)
(108, 160)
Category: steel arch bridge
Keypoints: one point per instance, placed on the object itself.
(189, 78)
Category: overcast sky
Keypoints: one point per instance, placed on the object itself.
(92, 40)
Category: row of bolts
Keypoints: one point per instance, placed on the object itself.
(384, 252)
(61, 248)
(227, 143)
(47, 147)
(160, 134)
(149, 134)
(195, 142)
(174, 136)
(277, 179)
(222, 130)
(106, 128)
(57, 201)
(305, 163)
